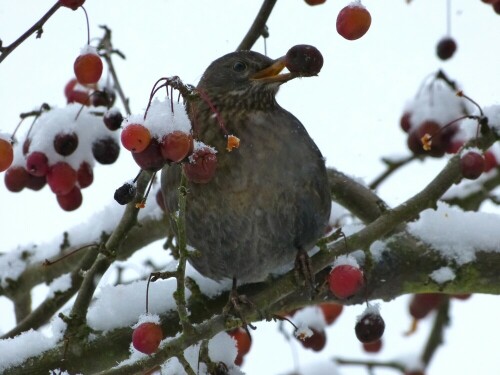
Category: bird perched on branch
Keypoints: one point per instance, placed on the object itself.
(269, 198)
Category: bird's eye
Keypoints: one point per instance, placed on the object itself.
(239, 66)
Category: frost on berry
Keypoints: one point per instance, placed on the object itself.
(202, 164)
(88, 66)
(345, 278)
(353, 21)
(370, 326)
(146, 337)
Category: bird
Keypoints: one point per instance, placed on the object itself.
(269, 199)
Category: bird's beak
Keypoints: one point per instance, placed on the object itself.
(272, 73)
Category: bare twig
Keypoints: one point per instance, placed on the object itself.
(36, 28)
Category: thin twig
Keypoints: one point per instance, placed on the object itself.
(180, 294)
(107, 47)
(392, 166)
(258, 25)
(37, 27)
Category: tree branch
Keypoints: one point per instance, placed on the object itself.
(258, 25)
(37, 27)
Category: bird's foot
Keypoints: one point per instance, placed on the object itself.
(303, 270)
(234, 304)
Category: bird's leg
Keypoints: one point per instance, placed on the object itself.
(234, 303)
(303, 269)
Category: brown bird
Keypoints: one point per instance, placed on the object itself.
(269, 199)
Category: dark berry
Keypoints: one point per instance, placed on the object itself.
(304, 59)
(106, 150)
(65, 143)
(150, 158)
(125, 193)
(472, 165)
(16, 179)
(370, 327)
(113, 119)
(316, 342)
(446, 48)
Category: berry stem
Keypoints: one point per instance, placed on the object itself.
(88, 23)
(51, 262)
(106, 46)
(448, 17)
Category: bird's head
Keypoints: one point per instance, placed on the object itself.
(244, 75)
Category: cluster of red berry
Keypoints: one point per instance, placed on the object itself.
(436, 121)
(353, 21)
(63, 143)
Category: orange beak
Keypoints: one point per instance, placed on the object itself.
(272, 73)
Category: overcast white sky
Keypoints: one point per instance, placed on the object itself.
(352, 111)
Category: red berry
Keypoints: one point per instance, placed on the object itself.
(423, 304)
(106, 150)
(160, 201)
(454, 146)
(446, 48)
(490, 161)
(202, 165)
(88, 68)
(438, 141)
(6, 154)
(113, 119)
(103, 98)
(73, 4)
(331, 311)
(135, 137)
(26, 146)
(345, 280)
(65, 143)
(61, 178)
(85, 175)
(472, 165)
(16, 179)
(372, 347)
(496, 7)
(370, 327)
(304, 59)
(176, 146)
(70, 201)
(316, 341)
(243, 342)
(36, 183)
(315, 2)
(37, 164)
(353, 21)
(150, 158)
(146, 337)
(405, 122)
(74, 95)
